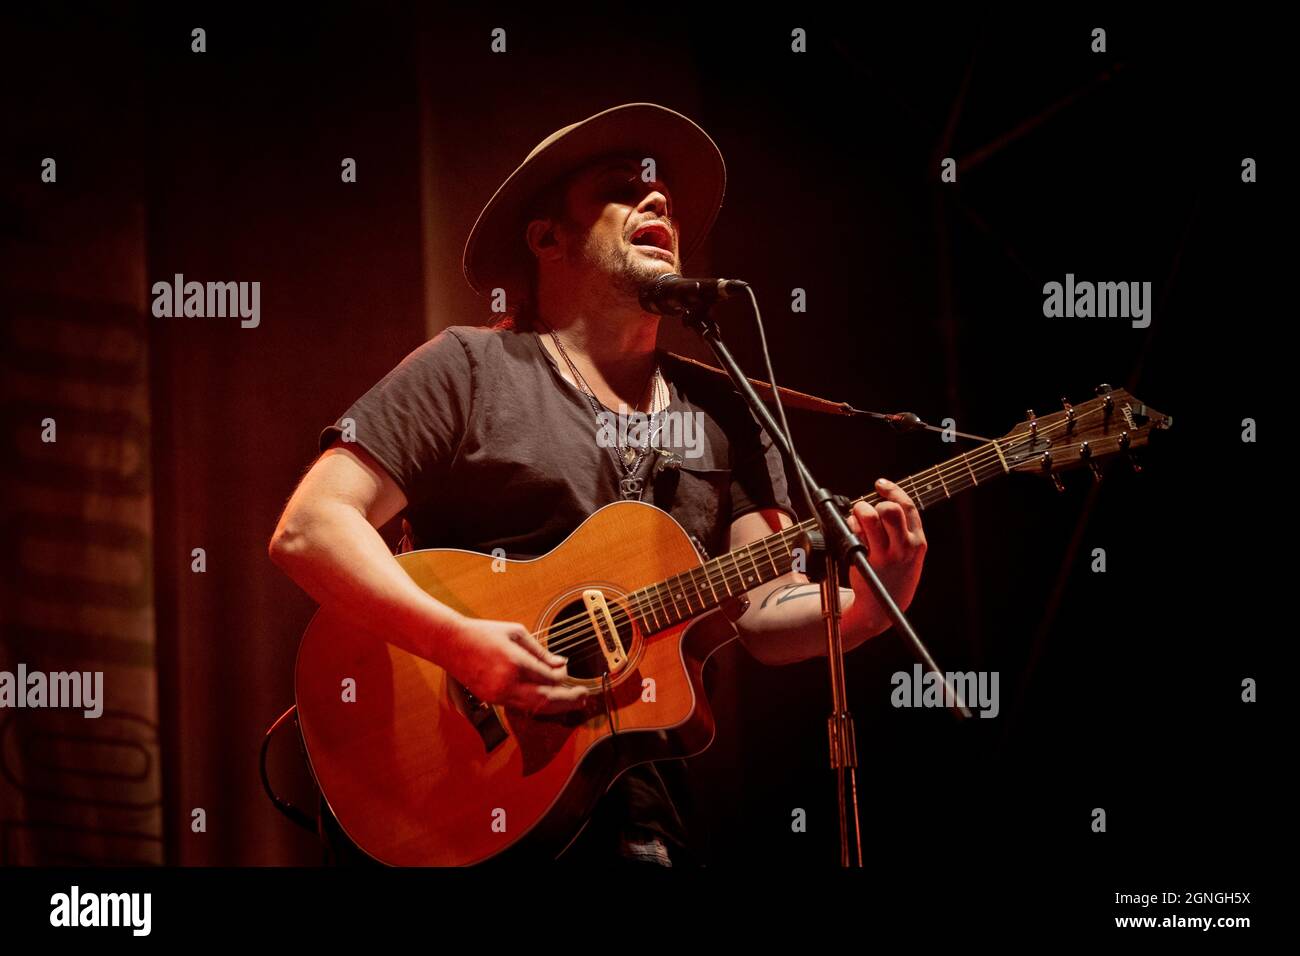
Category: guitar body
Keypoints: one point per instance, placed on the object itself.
(419, 773)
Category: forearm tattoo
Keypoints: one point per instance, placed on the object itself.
(789, 592)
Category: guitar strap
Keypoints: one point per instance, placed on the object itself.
(790, 398)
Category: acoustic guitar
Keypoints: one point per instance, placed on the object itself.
(419, 772)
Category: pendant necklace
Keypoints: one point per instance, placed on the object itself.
(629, 457)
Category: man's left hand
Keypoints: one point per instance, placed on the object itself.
(891, 530)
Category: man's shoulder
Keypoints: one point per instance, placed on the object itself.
(480, 342)
(472, 333)
(463, 348)
(468, 338)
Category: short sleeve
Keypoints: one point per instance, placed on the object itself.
(758, 478)
(413, 420)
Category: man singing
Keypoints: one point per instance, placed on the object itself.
(492, 440)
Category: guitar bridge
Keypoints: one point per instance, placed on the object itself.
(602, 622)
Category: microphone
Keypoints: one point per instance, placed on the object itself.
(672, 295)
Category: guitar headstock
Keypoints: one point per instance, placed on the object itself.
(1112, 424)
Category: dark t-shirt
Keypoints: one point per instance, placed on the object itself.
(493, 448)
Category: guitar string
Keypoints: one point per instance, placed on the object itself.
(580, 625)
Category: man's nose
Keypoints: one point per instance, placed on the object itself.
(657, 201)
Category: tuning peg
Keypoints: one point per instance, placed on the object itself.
(1125, 445)
(1047, 469)
(1085, 454)
(1033, 424)
(1069, 415)
(1109, 403)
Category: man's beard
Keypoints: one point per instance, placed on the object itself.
(629, 272)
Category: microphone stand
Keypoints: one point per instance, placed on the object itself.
(841, 547)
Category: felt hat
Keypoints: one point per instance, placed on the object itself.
(686, 159)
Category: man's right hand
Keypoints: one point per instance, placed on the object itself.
(501, 663)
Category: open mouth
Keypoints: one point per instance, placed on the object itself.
(653, 237)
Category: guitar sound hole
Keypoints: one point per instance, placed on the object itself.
(570, 635)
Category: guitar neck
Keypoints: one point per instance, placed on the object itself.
(703, 588)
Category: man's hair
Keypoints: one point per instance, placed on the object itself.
(521, 307)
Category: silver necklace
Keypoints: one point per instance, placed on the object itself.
(631, 486)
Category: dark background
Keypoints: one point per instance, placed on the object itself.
(1118, 690)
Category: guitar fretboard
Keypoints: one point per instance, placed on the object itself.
(703, 588)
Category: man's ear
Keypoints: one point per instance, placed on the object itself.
(542, 239)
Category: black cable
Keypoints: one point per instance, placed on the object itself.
(297, 816)
(780, 407)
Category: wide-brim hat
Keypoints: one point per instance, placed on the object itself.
(686, 159)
